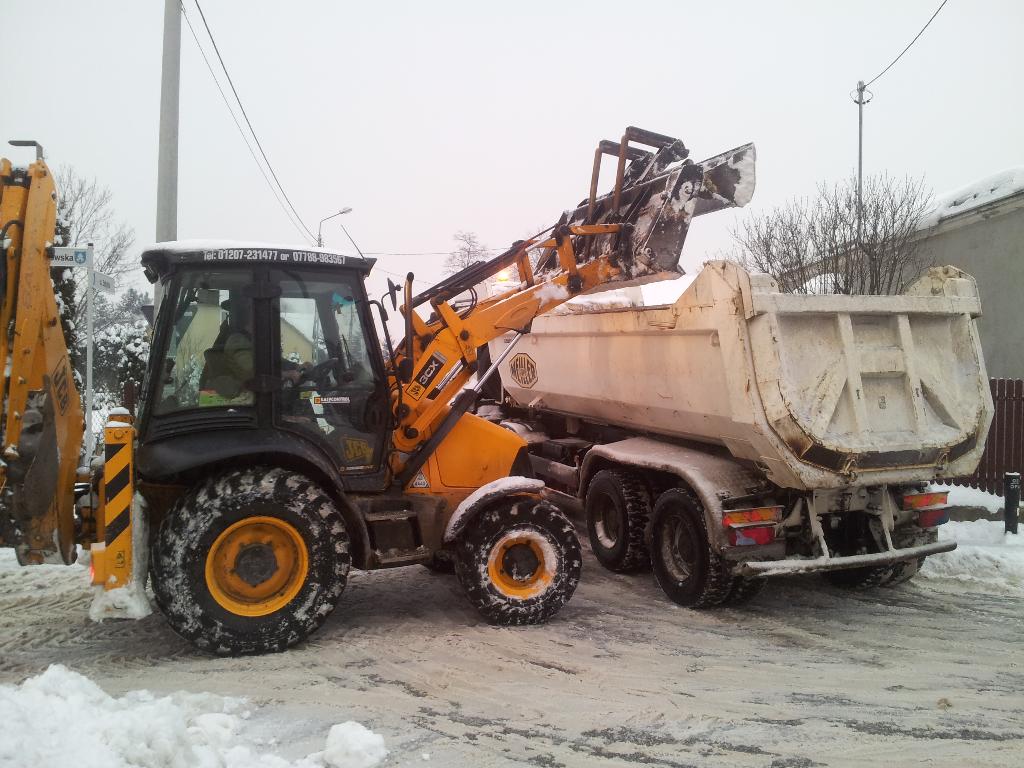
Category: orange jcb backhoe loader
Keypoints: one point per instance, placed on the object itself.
(277, 446)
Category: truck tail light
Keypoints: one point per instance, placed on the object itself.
(751, 534)
(929, 518)
(752, 526)
(924, 500)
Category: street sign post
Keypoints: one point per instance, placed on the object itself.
(72, 257)
(104, 283)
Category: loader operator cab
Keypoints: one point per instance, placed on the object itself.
(262, 351)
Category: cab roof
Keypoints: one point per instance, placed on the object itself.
(160, 258)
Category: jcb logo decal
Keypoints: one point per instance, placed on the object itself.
(523, 369)
(357, 449)
(426, 376)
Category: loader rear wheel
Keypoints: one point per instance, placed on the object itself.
(686, 565)
(618, 509)
(250, 561)
(519, 561)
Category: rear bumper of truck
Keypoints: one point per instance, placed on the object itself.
(818, 564)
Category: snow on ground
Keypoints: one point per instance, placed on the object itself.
(60, 717)
(928, 673)
(985, 555)
(960, 496)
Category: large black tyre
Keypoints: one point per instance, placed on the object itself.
(250, 561)
(686, 565)
(519, 561)
(907, 537)
(618, 509)
(901, 573)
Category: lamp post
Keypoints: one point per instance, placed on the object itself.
(319, 229)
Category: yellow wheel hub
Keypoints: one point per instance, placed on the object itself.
(520, 565)
(257, 566)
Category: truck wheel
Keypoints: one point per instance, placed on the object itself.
(744, 590)
(686, 565)
(250, 561)
(519, 561)
(903, 572)
(618, 509)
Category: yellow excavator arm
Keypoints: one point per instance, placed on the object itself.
(42, 411)
(630, 236)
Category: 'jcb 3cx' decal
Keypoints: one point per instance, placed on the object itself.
(426, 377)
(523, 370)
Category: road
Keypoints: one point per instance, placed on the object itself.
(806, 675)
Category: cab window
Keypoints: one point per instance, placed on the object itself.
(209, 357)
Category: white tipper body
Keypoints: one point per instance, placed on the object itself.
(817, 391)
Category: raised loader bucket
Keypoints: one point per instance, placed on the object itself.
(658, 193)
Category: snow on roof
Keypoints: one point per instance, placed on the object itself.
(986, 190)
(187, 246)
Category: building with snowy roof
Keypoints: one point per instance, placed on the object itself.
(980, 229)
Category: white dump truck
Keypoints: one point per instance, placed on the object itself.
(740, 432)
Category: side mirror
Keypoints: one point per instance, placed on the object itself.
(393, 290)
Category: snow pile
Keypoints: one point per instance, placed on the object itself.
(985, 556)
(961, 496)
(987, 190)
(127, 602)
(61, 718)
(351, 745)
(597, 302)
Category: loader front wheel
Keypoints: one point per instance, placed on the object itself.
(250, 561)
(519, 561)
(685, 563)
(618, 508)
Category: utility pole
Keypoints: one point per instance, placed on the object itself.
(90, 444)
(167, 165)
(859, 100)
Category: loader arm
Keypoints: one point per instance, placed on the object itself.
(632, 235)
(42, 412)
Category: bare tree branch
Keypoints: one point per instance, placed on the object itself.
(812, 246)
(85, 215)
(469, 251)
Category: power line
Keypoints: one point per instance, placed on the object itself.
(238, 125)
(941, 6)
(428, 253)
(248, 123)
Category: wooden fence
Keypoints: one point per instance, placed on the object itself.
(1004, 449)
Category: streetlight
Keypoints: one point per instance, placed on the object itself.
(319, 229)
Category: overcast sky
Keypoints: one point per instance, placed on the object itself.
(429, 118)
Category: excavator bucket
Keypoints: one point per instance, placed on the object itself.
(656, 195)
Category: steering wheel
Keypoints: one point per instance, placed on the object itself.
(320, 373)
